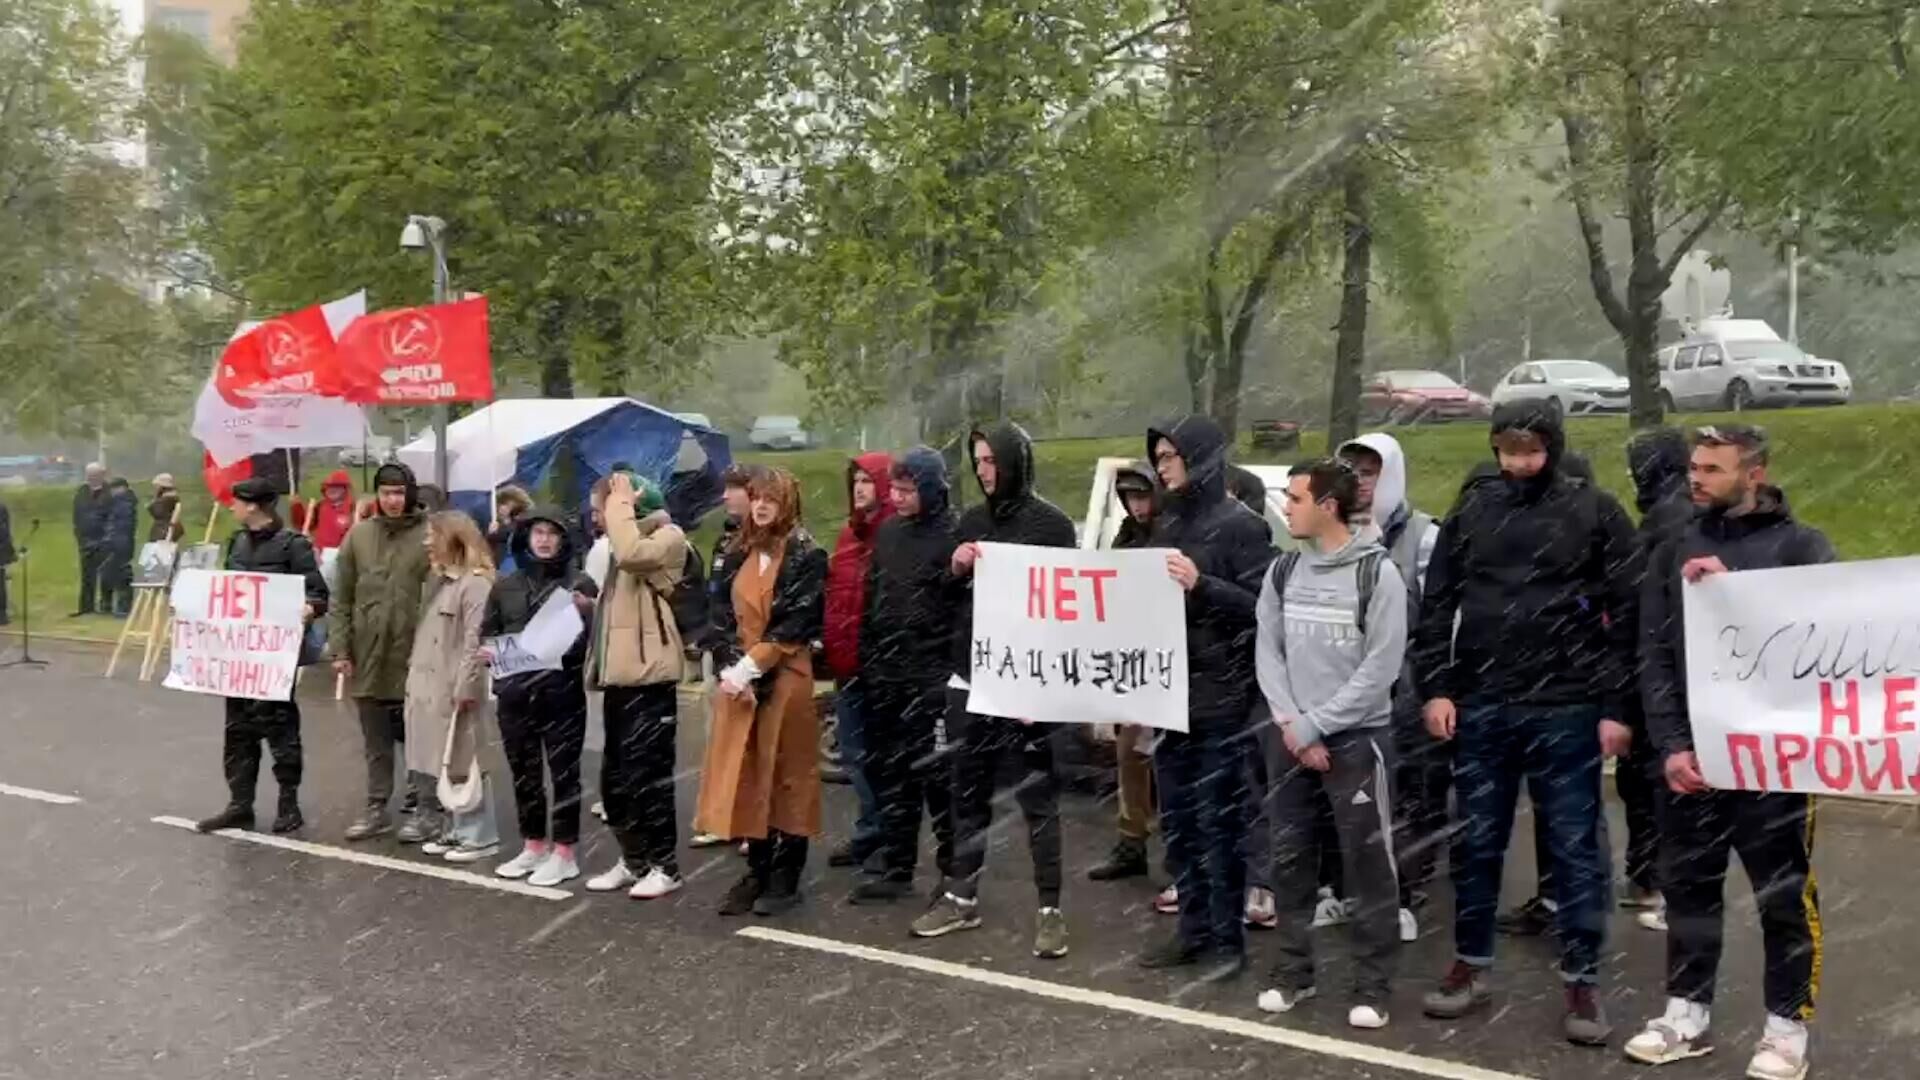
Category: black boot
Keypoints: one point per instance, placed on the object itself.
(1128, 859)
(233, 817)
(747, 891)
(789, 861)
(289, 818)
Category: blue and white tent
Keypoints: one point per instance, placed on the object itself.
(518, 440)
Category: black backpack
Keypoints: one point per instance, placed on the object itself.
(1367, 573)
(692, 607)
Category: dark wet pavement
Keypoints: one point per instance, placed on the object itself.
(133, 949)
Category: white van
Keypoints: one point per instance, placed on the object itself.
(1738, 364)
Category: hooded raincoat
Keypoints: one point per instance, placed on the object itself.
(378, 584)
(847, 568)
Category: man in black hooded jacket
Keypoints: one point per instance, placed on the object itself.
(1012, 514)
(265, 545)
(1745, 524)
(905, 673)
(1220, 551)
(1540, 570)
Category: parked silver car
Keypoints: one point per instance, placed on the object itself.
(779, 433)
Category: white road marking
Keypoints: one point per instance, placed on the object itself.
(37, 795)
(444, 873)
(1365, 1053)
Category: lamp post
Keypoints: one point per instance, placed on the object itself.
(430, 233)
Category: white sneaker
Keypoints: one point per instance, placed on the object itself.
(706, 839)
(1260, 909)
(466, 854)
(1285, 1001)
(438, 846)
(1409, 926)
(1782, 1053)
(553, 870)
(613, 878)
(599, 810)
(1680, 1034)
(1367, 1017)
(1331, 911)
(655, 885)
(1167, 900)
(1654, 920)
(517, 867)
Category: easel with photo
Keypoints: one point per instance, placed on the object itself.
(147, 621)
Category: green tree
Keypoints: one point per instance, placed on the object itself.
(573, 148)
(72, 320)
(920, 194)
(1749, 112)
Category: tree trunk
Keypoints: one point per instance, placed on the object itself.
(1645, 279)
(556, 366)
(1350, 348)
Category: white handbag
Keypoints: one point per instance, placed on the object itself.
(466, 796)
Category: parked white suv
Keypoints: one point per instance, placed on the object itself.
(1742, 364)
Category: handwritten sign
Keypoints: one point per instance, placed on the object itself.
(543, 644)
(1807, 678)
(1078, 637)
(236, 634)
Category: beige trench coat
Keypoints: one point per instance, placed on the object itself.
(442, 670)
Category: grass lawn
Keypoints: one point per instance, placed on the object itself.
(1849, 471)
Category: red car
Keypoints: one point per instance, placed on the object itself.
(1419, 397)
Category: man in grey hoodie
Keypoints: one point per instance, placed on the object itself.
(1332, 635)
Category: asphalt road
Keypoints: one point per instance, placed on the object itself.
(134, 949)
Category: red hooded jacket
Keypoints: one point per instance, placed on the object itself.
(847, 569)
(333, 521)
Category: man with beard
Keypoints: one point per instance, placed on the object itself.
(869, 504)
(1220, 549)
(1744, 524)
(1012, 514)
(905, 673)
(1539, 570)
(378, 580)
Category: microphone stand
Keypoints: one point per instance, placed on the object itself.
(26, 606)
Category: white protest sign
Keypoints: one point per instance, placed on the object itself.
(1807, 678)
(236, 634)
(545, 641)
(329, 567)
(1077, 637)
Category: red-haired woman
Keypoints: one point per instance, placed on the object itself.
(762, 777)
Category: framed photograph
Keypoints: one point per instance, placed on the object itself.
(155, 565)
(200, 557)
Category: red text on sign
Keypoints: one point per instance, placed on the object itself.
(1052, 588)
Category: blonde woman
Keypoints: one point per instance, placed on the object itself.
(447, 684)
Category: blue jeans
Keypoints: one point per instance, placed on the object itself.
(849, 710)
(1203, 814)
(1557, 750)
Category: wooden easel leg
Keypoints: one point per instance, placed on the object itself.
(127, 629)
(158, 623)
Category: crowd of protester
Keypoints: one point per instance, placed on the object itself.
(1373, 689)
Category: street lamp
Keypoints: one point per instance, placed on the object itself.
(430, 233)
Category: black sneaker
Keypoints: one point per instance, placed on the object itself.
(741, 898)
(1172, 953)
(1128, 859)
(881, 890)
(775, 903)
(1531, 919)
(233, 817)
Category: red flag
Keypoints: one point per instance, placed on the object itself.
(220, 479)
(413, 356)
(290, 355)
